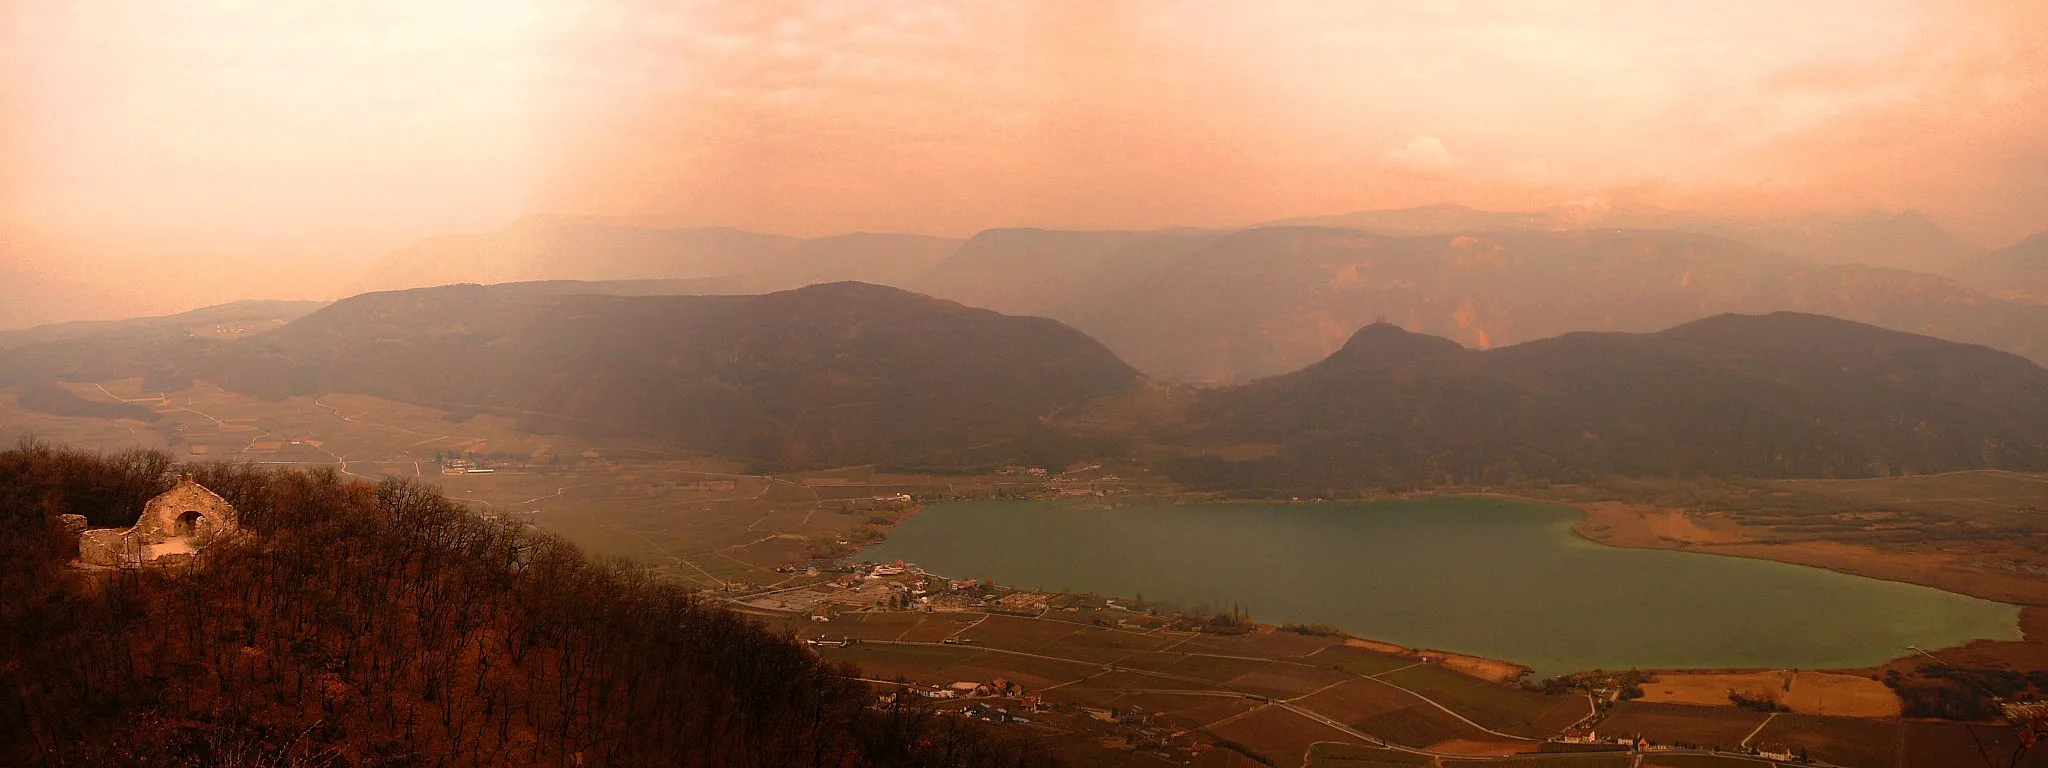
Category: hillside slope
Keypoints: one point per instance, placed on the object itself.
(1780, 395)
(831, 374)
(358, 625)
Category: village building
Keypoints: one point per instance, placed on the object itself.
(175, 525)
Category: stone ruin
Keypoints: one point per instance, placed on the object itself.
(174, 526)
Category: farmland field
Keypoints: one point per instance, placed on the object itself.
(1280, 735)
(1991, 496)
(1939, 745)
(1560, 761)
(1707, 761)
(1499, 707)
(1849, 741)
(1682, 724)
(1359, 661)
(1415, 725)
(1331, 755)
(1356, 700)
(1813, 693)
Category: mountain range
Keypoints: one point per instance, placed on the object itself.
(831, 374)
(1229, 306)
(1901, 240)
(720, 260)
(1777, 395)
(851, 373)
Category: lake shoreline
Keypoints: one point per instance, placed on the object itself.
(1487, 669)
(1494, 665)
(1631, 526)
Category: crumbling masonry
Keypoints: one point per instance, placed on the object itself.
(173, 526)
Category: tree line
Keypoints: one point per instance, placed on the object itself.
(383, 625)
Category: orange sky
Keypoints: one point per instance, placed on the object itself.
(242, 148)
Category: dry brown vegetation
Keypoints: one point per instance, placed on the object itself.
(1681, 724)
(1813, 693)
(384, 625)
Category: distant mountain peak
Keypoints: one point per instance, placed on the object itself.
(1384, 343)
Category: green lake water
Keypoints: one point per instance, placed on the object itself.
(1495, 578)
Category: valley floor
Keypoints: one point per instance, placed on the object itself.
(1214, 699)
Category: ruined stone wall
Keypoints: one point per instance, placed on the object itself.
(106, 547)
(173, 527)
(170, 515)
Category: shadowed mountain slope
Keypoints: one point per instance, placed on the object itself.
(831, 374)
(1784, 394)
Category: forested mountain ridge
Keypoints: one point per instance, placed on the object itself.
(1780, 395)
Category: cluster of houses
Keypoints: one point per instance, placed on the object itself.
(975, 710)
(1590, 736)
(1636, 743)
(896, 586)
(993, 714)
(904, 586)
(464, 467)
(888, 502)
(971, 689)
(819, 642)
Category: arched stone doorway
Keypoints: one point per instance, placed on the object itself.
(187, 524)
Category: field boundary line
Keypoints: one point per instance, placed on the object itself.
(1759, 729)
(1397, 669)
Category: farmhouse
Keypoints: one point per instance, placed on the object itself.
(175, 524)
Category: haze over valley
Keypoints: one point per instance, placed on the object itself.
(1017, 384)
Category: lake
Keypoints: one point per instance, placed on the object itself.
(1489, 577)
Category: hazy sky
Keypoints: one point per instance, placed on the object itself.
(266, 146)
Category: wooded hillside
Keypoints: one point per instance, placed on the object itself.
(366, 625)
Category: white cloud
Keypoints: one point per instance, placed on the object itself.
(1424, 152)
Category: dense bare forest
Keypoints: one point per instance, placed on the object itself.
(353, 624)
